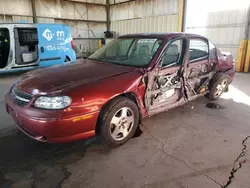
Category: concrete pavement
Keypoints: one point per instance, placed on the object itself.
(190, 146)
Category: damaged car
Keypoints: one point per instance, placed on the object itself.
(108, 94)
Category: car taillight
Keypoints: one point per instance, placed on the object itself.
(72, 44)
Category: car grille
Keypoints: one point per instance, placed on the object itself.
(20, 98)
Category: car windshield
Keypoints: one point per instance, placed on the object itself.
(134, 52)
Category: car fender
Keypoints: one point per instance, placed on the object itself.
(91, 97)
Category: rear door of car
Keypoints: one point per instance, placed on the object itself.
(165, 83)
(198, 67)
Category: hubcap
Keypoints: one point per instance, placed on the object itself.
(220, 88)
(122, 123)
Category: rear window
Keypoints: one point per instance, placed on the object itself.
(198, 49)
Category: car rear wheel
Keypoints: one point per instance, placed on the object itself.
(218, 86)
(119, 121)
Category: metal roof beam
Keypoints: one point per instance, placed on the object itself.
(86, 3)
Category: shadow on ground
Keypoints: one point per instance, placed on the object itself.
(20, 154)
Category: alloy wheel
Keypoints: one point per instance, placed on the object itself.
(122, 123)
(220, 88)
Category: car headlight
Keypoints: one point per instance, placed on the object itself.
(54, 103)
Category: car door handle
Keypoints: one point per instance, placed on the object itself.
(42, 49)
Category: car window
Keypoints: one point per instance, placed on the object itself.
(122, 48)
(119, 49)
(136, 52)
(172, 54)
(197, 49)
(156, 46)
(212, 50)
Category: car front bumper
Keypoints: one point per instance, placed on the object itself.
(52, 130)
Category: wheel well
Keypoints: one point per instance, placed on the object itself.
(68, 58)
(216, 77)
(129, 95)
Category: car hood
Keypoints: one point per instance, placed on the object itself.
(57, 78)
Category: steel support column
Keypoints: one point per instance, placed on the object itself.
(108, 14)
(33, 5)
(247, 37)
(181, 15)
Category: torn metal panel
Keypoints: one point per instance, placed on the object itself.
(175, 84)
(166, 87)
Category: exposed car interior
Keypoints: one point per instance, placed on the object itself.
(26, 45)
(143, 50)
(4, 47)
(172, 55)
(167, 85)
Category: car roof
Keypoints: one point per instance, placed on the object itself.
(162, 35)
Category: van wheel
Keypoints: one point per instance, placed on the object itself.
(67, 59)
(119, 121)
(218, 86)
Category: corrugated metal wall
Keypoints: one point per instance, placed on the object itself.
(62, 11)
(70, 10)
(144, 16)
(222, 21)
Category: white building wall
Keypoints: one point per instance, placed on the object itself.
(144, 16)
(222, 21)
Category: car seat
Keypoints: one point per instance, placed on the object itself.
(144, 50)
(171, 55)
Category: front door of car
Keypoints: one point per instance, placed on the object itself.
(165, 82)
(197, 72)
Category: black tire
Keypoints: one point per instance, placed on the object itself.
(107, 115)
(213, 95)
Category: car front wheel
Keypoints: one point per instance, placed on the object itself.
(119, 121)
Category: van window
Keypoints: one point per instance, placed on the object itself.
(197, 49)
(4, 47)
(27, 36)
(26, 46)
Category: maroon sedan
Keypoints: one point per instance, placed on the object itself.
(108, 94)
